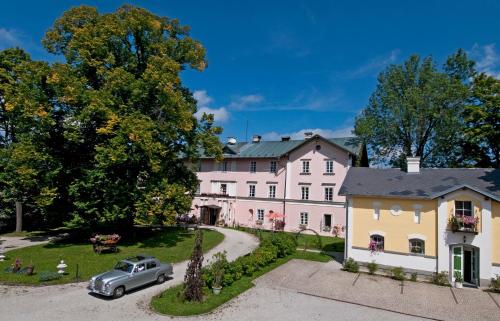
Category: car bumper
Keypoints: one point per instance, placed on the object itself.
(100, 291)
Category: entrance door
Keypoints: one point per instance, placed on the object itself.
(465, 260)
(468, 266)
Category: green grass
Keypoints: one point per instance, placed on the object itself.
(309, 241)
(170, 302)
(170, 245)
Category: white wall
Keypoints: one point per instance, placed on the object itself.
(414, 262)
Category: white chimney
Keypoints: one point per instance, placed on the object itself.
(308, 135)
(231, 141)
(413, 164)
(256, 138)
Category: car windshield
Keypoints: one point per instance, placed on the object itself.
(124, 266)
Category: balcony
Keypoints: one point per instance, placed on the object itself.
(463, 223)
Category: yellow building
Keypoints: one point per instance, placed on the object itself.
(425, 220)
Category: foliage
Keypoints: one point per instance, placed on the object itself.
(397, 273)
(350, 265)
(458, 277)
(46, 276)
(218, 268)
(372, 267)
(495, 284)
(482, 122)
(413, 277)
(193, 279)
(415, 111)
(103, 137)
(440, 278)
(284, 243)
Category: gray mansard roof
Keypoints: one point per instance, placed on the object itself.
(428, 184)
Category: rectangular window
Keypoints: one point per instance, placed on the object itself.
(150, 265)
(417, 213)
(223, 166)
(253, 167)
(305, 192)
(272, 167)
(463, 208)
(304, 218)
(328, 193)
(329, 167)
(198, 188)
(223, 188)
(272, 191)
(251, 190)
(305, 167)
(260, 214)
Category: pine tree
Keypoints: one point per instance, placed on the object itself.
(193, 282)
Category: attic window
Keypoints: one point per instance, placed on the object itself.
(318, 147)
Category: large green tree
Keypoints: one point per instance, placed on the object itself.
(415, 111)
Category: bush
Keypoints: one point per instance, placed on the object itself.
(398, 273)
(495, 284)
(284, 243)
(372, 267)
(46, 276)
(440, 278)
(350, 265)
(413, 277)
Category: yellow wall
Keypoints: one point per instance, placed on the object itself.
(495, 226)
(396, 228)
(476, 202)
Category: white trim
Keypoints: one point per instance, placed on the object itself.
(349, 227)
(377, 233)
(314, 204)
(417, 236)
(288, 179)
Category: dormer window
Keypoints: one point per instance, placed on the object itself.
(463, 208)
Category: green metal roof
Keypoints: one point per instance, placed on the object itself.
(271, 149)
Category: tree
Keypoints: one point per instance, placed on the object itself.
(415, 111)
(482, 121)
(127, 121)
(193, 282)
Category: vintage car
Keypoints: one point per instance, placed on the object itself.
(129, 274)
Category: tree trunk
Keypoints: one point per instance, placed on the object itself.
(19, 216)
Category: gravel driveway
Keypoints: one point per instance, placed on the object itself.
(73, 301)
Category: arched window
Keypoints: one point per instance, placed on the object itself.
(417, 246)
(376, 242)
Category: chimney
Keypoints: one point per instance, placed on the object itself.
(231, 141)
(308, 135)
(413, 165)
(256, 138)
(285, 138)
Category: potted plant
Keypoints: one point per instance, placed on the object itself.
(218, 268)
(458, 280)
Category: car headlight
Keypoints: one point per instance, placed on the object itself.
(106, 286)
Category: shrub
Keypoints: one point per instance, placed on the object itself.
(350, 265)
(218, 267)
(284, 243)
(46, 276)
(495, 284)
(413, 277)
(440, 278)
(372, 267)
(398, 273)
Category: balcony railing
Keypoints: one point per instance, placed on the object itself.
(464, 223)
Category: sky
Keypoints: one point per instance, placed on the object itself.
(282, 68)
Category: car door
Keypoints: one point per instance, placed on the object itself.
(139, 276)
(152, 268)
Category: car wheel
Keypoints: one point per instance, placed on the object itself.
(118, 292)
(161, 278)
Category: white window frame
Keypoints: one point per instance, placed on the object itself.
(304, 192)
(251, 190)
(463, 209)
(376, 211)
(260, 214)
(410, 246)
(304, 218)
(273, 167)
(306, 167)
(253, 167)
(223, 188)
(417, 213)
(272, 191)
(329, 166)
(328, 193)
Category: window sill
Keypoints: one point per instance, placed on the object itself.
(305, 174)
(328, 174)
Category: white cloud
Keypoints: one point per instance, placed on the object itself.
(243, 101)
(202, 98)
(220, 114)
(487, 59)
(327, 133)
(374, 66)
(9, 38)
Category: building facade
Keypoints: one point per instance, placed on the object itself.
(426, 220)
(261, 182)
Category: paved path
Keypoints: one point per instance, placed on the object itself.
(14, 242)
(73, 301)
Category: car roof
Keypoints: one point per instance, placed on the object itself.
(139, 258)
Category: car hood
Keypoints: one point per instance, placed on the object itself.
(110, 275)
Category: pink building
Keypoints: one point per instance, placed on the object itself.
(297, 178)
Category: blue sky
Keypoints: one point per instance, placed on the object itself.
(291, 66)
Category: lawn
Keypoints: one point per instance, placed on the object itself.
(309, 241)
(169, 245)
(170, 303)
